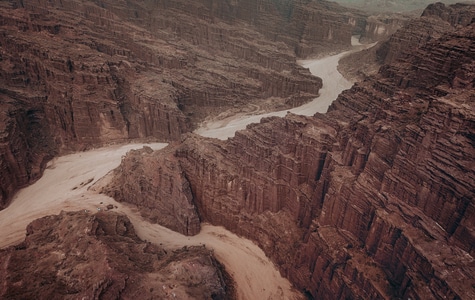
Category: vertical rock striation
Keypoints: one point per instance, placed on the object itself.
(373, 199)
(436, 20)
(78, 74)
(158, 186)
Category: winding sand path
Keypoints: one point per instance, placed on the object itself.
(66, 185)
(333, 84)
(67, 181)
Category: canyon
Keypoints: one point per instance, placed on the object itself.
(71, 183)
(373, 199)
(436, 20)
(82, 74)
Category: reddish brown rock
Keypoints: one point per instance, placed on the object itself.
(371, 200)
(77, 74)
(436, 20)
(159, 188)
(76, 255)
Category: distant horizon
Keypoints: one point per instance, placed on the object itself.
(395, 6)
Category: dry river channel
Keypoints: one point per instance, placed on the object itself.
(69, 183)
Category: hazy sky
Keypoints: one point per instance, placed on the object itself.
(394, 5)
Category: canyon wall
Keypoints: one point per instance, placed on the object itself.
(381, 27)
(76, 255)
(372, 200)
(159, 188)
(79, 74)
(435, 20)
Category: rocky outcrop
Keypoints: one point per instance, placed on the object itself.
(436, 20)
(373, 199)
(456, 14)
(159, 188)
(76, 255)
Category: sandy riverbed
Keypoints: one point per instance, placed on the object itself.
(333, 84)
(66, 184)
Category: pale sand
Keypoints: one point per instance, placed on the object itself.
(66, 182)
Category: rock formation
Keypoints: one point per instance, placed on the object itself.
(373, 200)
(77, 74)
(400, 6)
(166, 200)
(77, 255)
(436, 20)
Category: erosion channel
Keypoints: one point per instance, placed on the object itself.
(70, 183)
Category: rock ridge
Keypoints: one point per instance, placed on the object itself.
(436, 20)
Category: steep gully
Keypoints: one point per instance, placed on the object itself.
(70, 183)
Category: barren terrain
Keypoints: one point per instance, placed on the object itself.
(67, 182)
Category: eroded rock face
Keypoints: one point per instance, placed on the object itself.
(436, 20)
(381, 27)
(76, 255)
(78, 74)
(373, 199)
(158, 186)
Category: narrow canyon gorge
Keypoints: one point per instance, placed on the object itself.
(369, 198)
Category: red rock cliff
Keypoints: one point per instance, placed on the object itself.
(373, 199)
(77, 74)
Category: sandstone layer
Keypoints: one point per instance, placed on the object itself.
(373, 200)
(77, 255)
